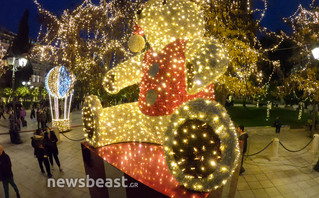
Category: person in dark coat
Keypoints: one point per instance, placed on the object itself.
(2, 111)
(32, 114)
(6, 175)
(50, 145)
(243, 136)
(277, 124)
(38, 117)
(22, 117)
(43, 119)
(47, 115)
(40, 153)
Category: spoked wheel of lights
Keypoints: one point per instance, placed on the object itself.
(91, 110)
(201, 146)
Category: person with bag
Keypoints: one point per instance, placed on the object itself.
(6, 175)
(40, 153)
(50, 144)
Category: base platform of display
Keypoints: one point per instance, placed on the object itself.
(142, 168)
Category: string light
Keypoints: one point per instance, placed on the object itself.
(201, 146)
(180, 66)
(304, 23)
(146, 163)
(3, 52)
(88, 40)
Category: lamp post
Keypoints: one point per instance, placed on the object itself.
(15, 63)
(315, 54)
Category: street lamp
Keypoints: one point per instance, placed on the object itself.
(315, 53)
(15, 63)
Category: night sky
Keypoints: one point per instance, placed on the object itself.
(11, 12)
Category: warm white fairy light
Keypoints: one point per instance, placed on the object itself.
(222, 137)
(89, 39)
(304, 23)
(3, 52)
(180, 66)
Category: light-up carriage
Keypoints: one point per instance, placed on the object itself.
(176, 106)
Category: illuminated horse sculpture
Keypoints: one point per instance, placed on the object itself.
(176, 105)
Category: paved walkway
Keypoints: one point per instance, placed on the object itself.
(290, 175)
(27, 175)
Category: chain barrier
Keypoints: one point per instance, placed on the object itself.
(248, 155)
(296, 150)
(72, 139)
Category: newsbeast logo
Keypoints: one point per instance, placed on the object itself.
(89, 183)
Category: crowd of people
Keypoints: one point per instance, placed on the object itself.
(44, 141)
(17, 114)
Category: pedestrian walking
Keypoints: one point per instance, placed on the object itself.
(2, 111)
(243, 136)
(6, 175)
(22, 117)
(43, 120)
(17, 111)
(50, 145)
(32, 114)
(277, 124)
(38, 117)
(40, 153)
(47, 115)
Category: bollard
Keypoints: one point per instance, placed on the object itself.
(315, 143)
(57, 133)
(274, 149)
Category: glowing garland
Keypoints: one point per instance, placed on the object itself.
(180, 66)
(3, 52)
(84, 38)
(304, 23)
(224, 161)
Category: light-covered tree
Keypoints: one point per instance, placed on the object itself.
(232, 22)
(305, 75)
(35, 93)
(22, 92)
(89, 39)
(3, 67)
